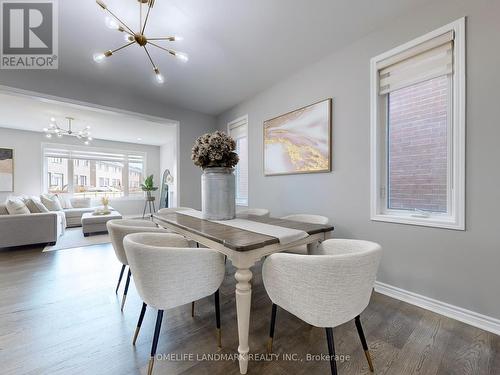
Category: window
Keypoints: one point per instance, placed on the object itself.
(135, 176)
(418, 131)
(95, 173)
(238, 130)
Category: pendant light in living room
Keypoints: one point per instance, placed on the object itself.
(138, 37)
(54, 130)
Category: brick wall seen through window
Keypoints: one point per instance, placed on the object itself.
(418, 151)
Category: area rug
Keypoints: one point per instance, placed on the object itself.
(73, 238)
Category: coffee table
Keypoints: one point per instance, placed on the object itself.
(97, 223)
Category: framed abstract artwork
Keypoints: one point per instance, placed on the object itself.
(6, 169)
(299, 141)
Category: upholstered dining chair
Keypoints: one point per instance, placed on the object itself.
(168, 273)
(254, 211)
(304, 218)
(324, 290)
(118, 229)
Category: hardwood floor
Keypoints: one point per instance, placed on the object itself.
(59, 315)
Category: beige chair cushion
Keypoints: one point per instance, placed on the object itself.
(16, 206)
(51, 202)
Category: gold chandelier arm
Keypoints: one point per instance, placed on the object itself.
(168, 38)
(150, 5)
(119, 20)
(149, 56)
(172, 52)
(140, 15)
(122, 47)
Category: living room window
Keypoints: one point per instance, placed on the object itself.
(418, 131)
(94, 173)
(238, 130)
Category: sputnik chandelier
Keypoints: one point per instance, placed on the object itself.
(55, 130)
(139, 38)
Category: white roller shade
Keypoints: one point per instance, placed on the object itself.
(92, 155)
(425, 61)
(238, 130)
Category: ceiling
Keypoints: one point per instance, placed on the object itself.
(236, 48)
(25, 113)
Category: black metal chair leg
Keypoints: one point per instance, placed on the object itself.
(192, 309)
(217, 319)
(120, 278)
(126, 288)
(271, 329)
(363, 342)
(155, 341)
(331, 350)
(139, 323)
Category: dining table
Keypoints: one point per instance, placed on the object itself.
(243, 247)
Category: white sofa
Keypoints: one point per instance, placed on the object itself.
(27, 229)
(46, 227)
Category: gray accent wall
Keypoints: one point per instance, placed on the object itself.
(461, 268)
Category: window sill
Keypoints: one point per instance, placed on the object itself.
(432, 221)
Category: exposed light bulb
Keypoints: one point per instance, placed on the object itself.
(57, 130)
(87, 127)
(48, 135)
(52, 119)
(182, 56)
(128, 38)
(45, 129)
(90, 138)
(177, 38)
(111, 23)
(159, 77)
(59, 135)
(86, 142)
(99, 57)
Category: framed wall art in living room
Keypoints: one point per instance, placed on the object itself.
(6, 169)
(299, 141)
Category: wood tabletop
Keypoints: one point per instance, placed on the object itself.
(235, 238)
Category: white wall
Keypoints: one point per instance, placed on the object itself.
(28, 163)
(460, 268)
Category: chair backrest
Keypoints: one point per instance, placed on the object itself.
(324, 290)
(167, 273)
(254, 211)
(172, 209)
(307, 218)
(119, 228)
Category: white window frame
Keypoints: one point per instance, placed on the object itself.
(455, 218)
(125, 173)
(231, 125)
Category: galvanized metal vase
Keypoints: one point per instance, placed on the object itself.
(218, 194)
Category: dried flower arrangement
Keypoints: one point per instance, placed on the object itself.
(215, 150)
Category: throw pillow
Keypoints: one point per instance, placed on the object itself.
(34, 205)
(81, 202)
(65, 201)
(16, 206)
(51, 202)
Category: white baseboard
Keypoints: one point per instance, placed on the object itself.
(466, 316)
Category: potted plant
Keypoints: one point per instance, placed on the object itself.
(148, 187)
(215, 154)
